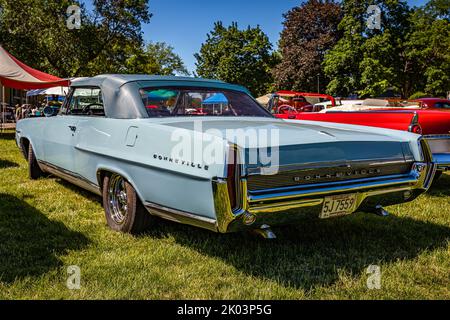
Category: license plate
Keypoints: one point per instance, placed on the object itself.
(336, 206)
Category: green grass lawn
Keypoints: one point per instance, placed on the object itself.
(48, 225)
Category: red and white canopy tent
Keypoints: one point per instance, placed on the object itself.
(17, 75)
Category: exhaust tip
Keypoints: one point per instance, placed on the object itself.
(265, 232)
(380, 211)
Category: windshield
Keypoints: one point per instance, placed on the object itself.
(173, 102)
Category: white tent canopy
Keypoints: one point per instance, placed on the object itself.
(57, 91)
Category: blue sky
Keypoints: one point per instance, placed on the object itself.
(185, 23)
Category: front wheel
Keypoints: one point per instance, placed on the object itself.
(123, 210)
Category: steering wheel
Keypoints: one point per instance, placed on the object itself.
(87, 109)
(285, 108)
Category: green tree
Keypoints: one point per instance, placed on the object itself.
(341, 63)
(238, 56)
(36, 32)
(427, 49)
(156, 58)
(310, 30)
(369, 60)
(408, 54)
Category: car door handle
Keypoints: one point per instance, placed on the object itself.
(73, 128)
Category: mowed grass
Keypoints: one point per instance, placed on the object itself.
(48, 225)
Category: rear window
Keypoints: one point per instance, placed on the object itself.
(198, 102)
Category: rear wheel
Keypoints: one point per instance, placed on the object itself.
(123, 210)
(34, 171)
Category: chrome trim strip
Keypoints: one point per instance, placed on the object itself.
(342, 163)
(71, 177)
(143, 165)
(436, 136)
(181, 216)
(363, 186)
(343, 183)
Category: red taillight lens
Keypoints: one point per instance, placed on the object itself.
(416, 129)
(232, 177)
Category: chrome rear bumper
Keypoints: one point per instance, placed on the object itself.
(440, 148)
(276, 207)
(442, 161)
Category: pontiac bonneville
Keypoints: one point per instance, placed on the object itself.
(142, 143)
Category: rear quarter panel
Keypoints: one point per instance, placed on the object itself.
(434, 121)
(103, 144)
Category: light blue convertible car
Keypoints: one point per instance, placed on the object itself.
(205, 153)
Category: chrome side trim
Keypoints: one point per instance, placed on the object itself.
(181, 216)
(71, 177)
(143, 165)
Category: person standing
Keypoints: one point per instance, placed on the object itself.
(18, 112)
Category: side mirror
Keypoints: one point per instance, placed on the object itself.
(49, 112)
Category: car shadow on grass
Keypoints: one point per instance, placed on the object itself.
(314, 252)
(87, 194)
(30, 243)
(4, 164)
(441, 187)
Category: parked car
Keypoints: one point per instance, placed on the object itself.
(284, 101)
(434, 103)
(116, 136)
(434, 124)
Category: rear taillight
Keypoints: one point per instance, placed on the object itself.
(414, 126)
(416, 129)
(233, 177)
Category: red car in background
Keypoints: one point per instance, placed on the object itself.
(431, 118)
(434, 103)
(284, 101)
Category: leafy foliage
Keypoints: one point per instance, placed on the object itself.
(408, 54)
(109, 40)
(427, 49)
(156, 58)
(238, 56)
(310, 30)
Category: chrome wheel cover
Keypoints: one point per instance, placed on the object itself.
(117, 199)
